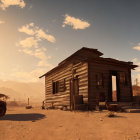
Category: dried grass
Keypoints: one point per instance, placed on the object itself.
(111, 114)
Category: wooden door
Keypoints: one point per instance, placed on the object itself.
(74, 91)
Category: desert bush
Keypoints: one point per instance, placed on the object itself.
(28, 107)
(111, 114)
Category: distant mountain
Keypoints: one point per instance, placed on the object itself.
(21, 91)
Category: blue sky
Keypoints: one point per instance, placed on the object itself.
(37, 34)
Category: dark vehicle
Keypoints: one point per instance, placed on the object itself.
(3, 104)
(2, 108)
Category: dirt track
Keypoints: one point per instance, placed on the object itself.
(37, 124)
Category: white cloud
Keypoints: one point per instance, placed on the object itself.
(6, 3)
(2, 22)
(137, 47)
(37, 32)
(42, 35)
(27, 29)
(31, 45)
(29, 42)
(76, 23)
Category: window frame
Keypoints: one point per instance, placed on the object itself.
(99, 80)
(123, 78)
(58, 86)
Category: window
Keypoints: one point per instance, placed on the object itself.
(58, 86)
(122, 78)
(53, 87)
(62, 85)
(99, 80)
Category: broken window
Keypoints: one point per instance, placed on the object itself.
(99, 80)
(122, 78)
(58, 86)
(62, 85)
(53, 85)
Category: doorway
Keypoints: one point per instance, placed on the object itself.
(114, 90)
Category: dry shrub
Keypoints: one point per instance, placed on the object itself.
(111, 114)
(28, 107)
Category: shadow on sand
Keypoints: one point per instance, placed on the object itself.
(117, 116)
(23, 117)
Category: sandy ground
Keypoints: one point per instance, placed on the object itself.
(37, 124)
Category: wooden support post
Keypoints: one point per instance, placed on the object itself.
(28, 101)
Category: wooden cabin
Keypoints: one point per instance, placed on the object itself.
(84, 78)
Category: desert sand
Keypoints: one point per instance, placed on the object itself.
(36, 124)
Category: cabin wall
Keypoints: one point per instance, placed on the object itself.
(82, 73)
(60, 99)
(96, 68)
